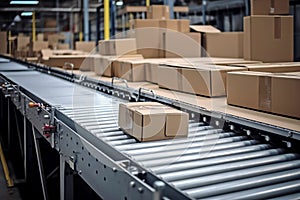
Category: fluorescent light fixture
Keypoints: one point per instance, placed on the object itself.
(26, 14)
(17, 18)
(24, 2)
(119, 3)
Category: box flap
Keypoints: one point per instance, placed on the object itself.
(204, 29)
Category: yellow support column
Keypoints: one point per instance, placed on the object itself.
(33, 27)
(106, 20)
(80, 36)
(9, 42)
(10, 182)
(147, 3)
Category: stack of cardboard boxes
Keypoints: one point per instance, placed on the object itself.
(268, 87)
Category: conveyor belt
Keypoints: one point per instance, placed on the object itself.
(210, 163)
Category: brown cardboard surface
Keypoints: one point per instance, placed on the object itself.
(204, 29)
(39, 45)
(270, 7)
(63, 46)
(40, 37)
(3, 42)
(102, 65)
(60, 60)
(273, 67)
(149, 121)
(183, 25)
(243, 89)
(131, 70)
(225, 44)
(169, 77)
(151, 72)
(117, 47)
(269, 38)
(158, 12)
(23, 43)
(177, 44)
(85, 46)
(286, 95)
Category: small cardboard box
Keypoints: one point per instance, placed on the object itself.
(158, 12)
(225, 44)
(39, 45)
(269, 38)
(85, 46)
(177, 44)
(270, 7)
(150, 121)
(116, 47)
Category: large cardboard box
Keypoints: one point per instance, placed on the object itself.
(270, 7)
(39, 45)
(183, 45)
(85, 46)
(276, 93)
(285, 94)
(116, 47)
(158, 12)
(3, 42)
(150, 121)
(225, 44)
(269, 38)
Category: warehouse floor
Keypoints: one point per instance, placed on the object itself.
(218, 104)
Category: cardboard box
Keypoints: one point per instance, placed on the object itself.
(183, 25)
(285, 95)
(276, 93)
(60, 60)
(206, 80)
(23, 43)
(225, 44)
(203, 30)
(272, 67)
(158, 12)
(40, 37)
(130, 70)
(117, 47)
(150, 121)
(39, 45)
(249, 89)
(85, 46)
(3, 42)
(183, 45)
(270, 7)
(269, 38)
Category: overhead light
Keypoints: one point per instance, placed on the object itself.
(24, 2)
(119, 3)
(25, 14)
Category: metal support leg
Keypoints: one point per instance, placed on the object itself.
(40, 165)
(25, 147)
(8, 125)
(66, 180)
(62, 165)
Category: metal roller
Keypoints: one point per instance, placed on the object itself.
(207, 134)
(205, 155)
(185, 147)
(232, 171)
(188, 150)
(294, 196)
(114, 138)
(264, 192)
(215, 161)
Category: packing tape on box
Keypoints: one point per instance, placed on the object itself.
(265, 85)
